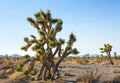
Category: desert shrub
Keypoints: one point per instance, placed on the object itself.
(116, 70)
(19, 67)
(25, 72)
(18, 77)
(9, 71)
(114, 79)
(2, 74)
(89, 76)
(61, 79)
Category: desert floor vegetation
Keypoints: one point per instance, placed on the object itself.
(74, 70)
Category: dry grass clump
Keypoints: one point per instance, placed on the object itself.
(9, 71)
(6, 61)
(61, 79)
(89, 76)
(116, 70)
(18, 77)
(2, 74)
(114, 79)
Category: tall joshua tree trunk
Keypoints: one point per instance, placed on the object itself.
(110, 58)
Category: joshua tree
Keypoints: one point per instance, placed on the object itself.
(47, 46)
(115, 55)
(7, 57)
(107, 49)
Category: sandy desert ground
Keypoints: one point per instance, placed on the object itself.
(73, 70)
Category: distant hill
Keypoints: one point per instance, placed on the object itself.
(15, 55)
(1, 56)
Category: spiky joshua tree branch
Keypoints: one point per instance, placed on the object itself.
(48, 46)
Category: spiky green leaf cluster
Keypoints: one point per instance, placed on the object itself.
(26, 39)
(33, 23)
(47, 28)
(42, 34)
(106, 48)
(68, 47)
(43, 58)
(24, 48)
(58, 27)
(36, 47)
(26, 56)
(72, 39)
(75, 51)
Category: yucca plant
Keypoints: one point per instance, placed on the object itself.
(47, 29)
(107, 49)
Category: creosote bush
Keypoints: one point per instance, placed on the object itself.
(89, 76)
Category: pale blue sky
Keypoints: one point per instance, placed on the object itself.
(94, 22)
